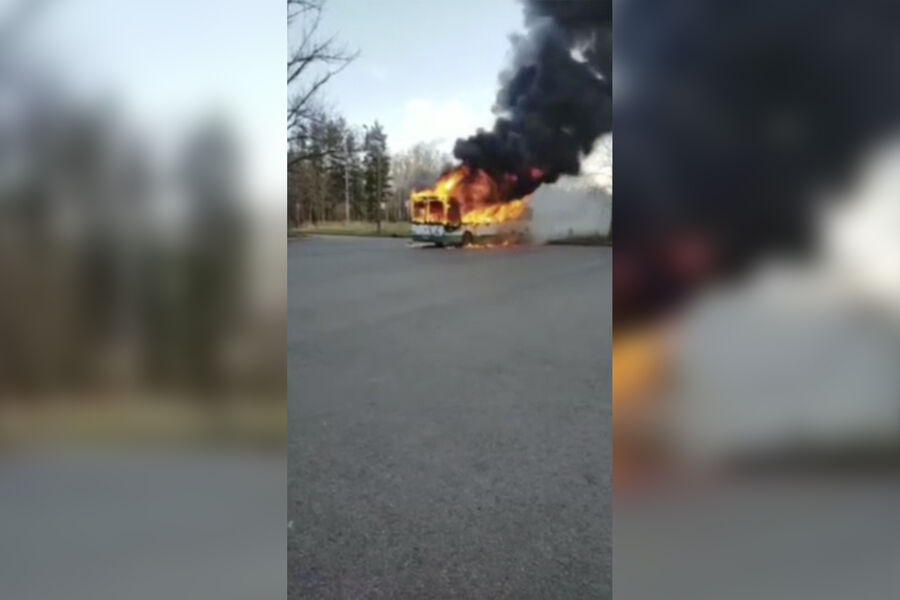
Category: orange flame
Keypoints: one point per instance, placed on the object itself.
(469, 196)
(498, 213)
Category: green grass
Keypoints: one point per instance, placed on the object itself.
(361, 228)
(247, 422)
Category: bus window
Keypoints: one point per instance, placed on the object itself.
(418, 211)
(435, 211)
(453, 213)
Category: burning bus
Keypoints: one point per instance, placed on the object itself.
(467, 207)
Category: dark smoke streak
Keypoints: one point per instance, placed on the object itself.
(551, 106)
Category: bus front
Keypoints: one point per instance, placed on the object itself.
(431, 218)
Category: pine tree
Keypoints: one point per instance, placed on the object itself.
(356, 181)
(340, 168)
(335, 167)
(377, 168)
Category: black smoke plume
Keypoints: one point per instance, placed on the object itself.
(555, 99)
(731, 119)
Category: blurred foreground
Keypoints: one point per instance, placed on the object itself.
(143, 524)
(756, 395)
(139, 269)
(142, 314)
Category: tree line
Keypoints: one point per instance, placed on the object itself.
(338, 171)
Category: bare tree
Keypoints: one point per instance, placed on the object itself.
(414, 169)
(311, 64)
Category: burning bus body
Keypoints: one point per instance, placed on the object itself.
(468, 207)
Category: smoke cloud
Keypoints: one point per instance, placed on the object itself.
(555, 99)
(732, 119)
(578, 207)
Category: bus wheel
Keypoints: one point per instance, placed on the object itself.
(468, 239)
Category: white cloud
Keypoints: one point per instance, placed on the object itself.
(438, 122)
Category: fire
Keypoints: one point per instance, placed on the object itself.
(446, 184)
(498, 213)
(490, 245)
(466, 195)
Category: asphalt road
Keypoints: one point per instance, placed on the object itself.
(449, 418)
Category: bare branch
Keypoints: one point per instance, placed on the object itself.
(297, 8)
(300, 156)
(322, 80)
(323, 59)
(321, 53)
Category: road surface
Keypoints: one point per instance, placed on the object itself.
(449, 417)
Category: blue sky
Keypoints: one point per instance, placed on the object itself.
(427, 69)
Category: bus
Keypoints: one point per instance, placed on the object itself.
(442, 223)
